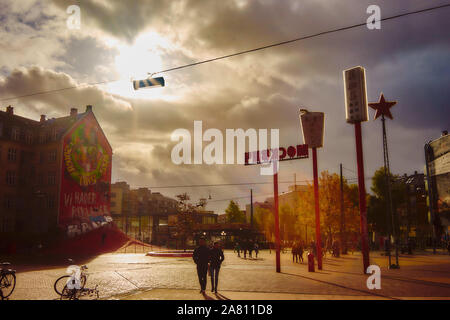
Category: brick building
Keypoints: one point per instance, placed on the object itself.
(141, 213)
(53, 172)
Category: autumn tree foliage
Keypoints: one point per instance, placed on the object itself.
(234, 214)
(185, 222)
(297, 220)
(330, 206)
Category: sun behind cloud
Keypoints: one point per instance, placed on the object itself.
(136, 61)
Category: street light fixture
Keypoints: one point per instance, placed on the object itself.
(148, 83)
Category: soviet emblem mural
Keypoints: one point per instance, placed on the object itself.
(86, 178)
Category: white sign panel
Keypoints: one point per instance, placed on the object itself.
(355, 95)
(441, 165)
(313, 128)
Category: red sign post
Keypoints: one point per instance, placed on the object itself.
(317, 210)
(356, 112)
(261, 157)
(313, 128)
(362, 197)
(277, 221)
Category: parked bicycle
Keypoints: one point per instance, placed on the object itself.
(72, 286)
(7, 280)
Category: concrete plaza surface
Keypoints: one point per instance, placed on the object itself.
(139, 277)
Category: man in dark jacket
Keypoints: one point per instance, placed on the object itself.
(201, 258)
(215, 261)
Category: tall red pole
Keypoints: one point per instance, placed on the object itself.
(316, 201)
(362, 197)
(277, 220)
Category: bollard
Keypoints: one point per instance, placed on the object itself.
(310, 262)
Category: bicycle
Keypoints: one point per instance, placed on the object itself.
(7, 281)
(72, 286)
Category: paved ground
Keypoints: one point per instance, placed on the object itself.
(136, 276)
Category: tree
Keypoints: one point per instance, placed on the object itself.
(378, 205)
(329, 202)
(185, 219)
(265, 222)
(234, 214)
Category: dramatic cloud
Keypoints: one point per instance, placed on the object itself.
(407, 60)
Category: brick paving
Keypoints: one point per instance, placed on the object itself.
(136, 276)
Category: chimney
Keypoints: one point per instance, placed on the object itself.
(88, 108)
(10, 110)
(42, 118)
(73, 112)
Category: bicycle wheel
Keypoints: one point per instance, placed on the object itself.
(61, 283)
(7, 284)
(69, 294)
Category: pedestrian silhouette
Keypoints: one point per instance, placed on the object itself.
(201, 259)
(216, 258)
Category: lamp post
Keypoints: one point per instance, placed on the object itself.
(312, 124)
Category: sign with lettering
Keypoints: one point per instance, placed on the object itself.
(313, 128)
(85, 178)
(355, 95)
(289, 153)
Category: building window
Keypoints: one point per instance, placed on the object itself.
(50, 202)
(51, 179)
(42, 137)
(9, 203)
(54, 134)
(40, 179)
(113, 194)
(29, 137)
(113, 204)
(12, 154)
(52, 156)
(1, 129)
(41, 157)
(15, 133)
(11, 178)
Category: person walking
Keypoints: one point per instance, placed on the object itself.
(250, 248)
(300, 251)
(216, 258)
(237, 249)
(294, 252)
(256, 248)
(244, 247)
(201, 259)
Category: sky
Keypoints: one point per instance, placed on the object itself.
(407, 59)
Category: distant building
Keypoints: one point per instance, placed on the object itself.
(53, 173)
(437, 169)
(268, 204)
(141, 213)
(413, 215)
(222, 218)
(291, 198)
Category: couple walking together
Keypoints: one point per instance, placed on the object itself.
(206, 258)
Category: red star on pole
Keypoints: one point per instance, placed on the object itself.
(382, 107)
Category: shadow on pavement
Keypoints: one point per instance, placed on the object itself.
(341, 286)
(25, 263)
(221, 297)
(207, 297)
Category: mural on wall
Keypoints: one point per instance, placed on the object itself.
(86, 178)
